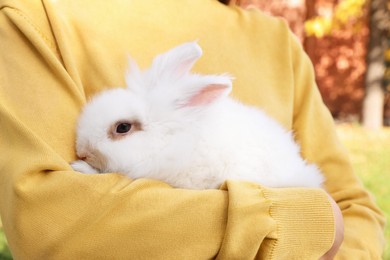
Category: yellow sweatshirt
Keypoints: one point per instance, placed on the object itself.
(55, 54)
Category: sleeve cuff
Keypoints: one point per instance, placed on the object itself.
(305, 223)
(276, 223)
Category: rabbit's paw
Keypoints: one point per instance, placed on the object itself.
(82, 167)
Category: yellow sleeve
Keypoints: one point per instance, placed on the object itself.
(48, 68)
(314, 129)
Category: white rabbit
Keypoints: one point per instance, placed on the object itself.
(183, 129)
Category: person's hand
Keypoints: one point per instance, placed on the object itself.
(339, 231)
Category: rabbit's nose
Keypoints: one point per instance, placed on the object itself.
(83, 156)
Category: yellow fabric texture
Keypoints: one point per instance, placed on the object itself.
(54, 55)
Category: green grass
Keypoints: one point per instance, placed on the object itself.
(370, 154)
(5, 254)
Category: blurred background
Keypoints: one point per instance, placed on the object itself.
(348, 42)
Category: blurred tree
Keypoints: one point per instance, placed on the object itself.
(348, 11)
(387, 78)
(336, 41)
(335, 34)
(338, 57)
(345, 12)
(373, 105)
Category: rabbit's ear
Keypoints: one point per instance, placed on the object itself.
(176, 62)
(133, 74)
(212, 89)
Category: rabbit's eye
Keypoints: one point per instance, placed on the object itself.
(123, 128)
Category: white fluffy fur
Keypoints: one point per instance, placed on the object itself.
(188, 142)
